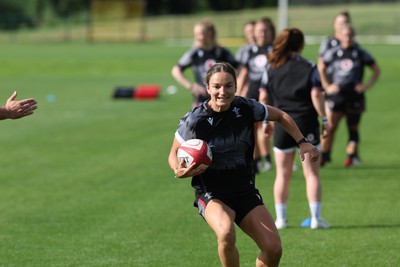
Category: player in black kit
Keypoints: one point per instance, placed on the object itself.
(252, 65)
(294, 86)
(333, 41)
(225, 193)
(345, 90)
(201, 57)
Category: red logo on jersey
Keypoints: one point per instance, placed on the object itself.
(260, 61)
(346, 64)
(209, 63)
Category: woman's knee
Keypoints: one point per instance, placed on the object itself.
(272, 246)
(272, 252)
(276, 246)
(226, 237)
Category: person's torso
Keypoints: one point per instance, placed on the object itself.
(290, 86)
(347, 65)
(328, 44)
(256, 62)
(201, 60)
(230, 135)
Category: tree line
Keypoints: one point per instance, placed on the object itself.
(22, 13)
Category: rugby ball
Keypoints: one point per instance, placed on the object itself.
(195, 150)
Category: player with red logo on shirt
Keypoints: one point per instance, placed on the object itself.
(205, 52)
(345, 90)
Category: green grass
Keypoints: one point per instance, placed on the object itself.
(85, 180)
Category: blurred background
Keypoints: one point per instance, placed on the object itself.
(173, 20)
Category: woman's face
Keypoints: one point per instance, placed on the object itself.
(201, 36)
(222, 89)
(346, 38)
(338, 23)
(249, 33)
(261, 33)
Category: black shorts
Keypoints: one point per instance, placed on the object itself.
(309, 127)
(346, 105)
(242, 203)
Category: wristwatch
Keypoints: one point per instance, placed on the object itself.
(302, 140)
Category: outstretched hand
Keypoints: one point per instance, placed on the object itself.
(18, 109)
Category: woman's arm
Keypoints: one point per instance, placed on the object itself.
(371, 82)
(241, 81)
(318, 100)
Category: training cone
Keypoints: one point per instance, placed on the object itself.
(306, 223)
(123, 92)
(146, 92)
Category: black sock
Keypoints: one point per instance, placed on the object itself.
(353, 155)
(326, 156)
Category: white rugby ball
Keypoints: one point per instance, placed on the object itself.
(195, 150)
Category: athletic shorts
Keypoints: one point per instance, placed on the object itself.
(346, 104)
(242, 203)
(308, 126)
(352, 105)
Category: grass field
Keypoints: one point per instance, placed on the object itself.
(85, 180)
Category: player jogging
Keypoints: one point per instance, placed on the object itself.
(253, 62)
(294, 85)
(225, 192)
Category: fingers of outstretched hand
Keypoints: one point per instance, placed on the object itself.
(12, 97)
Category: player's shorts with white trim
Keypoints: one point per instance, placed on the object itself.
(308, 126)
(242, 203)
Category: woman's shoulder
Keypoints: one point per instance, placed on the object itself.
(302, 62)
(194, 50)
(240, 101)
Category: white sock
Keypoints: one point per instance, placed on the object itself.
(280, 210)
(315, 209)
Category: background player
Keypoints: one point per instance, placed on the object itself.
(294, 86)
(253, 64)
(205, 52)
(345, 93)
(341, 19)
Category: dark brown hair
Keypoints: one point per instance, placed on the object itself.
(287, 42)
(220, 67)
